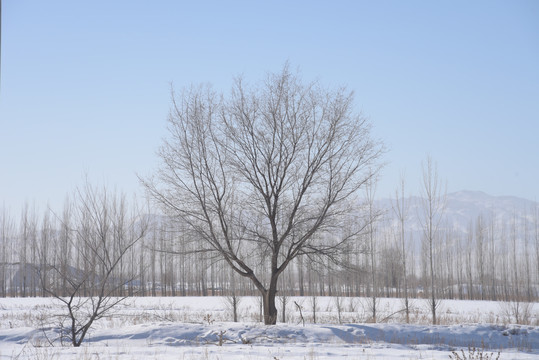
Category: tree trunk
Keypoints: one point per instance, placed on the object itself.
(235, 307)
(270, 310)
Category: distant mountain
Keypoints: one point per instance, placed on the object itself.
(463, 207)
(470, 204)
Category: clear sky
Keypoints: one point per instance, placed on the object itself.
(85, 86)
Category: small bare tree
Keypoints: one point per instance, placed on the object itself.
(258, 174)
(314, 307)
(233, 303)
(233, 299)
(339, 305)
(103, 235)
(284, 299)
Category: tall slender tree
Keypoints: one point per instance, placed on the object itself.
(536, 237)
(6, 244)
(433, 206)
(400, 209)
(373, 214)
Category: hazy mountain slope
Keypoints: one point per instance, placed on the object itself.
(464, 207)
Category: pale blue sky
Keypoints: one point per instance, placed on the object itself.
(85, 85)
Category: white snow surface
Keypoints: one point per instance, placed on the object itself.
(192, 328)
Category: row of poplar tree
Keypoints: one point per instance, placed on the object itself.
(157, 256)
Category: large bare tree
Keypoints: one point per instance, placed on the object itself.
(266, 174)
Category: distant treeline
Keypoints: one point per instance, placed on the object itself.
(493, 261)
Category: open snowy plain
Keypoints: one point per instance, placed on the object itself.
(201, 328)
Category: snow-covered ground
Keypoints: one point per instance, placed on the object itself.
(201, 328)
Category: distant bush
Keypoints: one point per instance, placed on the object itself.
(517, 312)
(474, 354)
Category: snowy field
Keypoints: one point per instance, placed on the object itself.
(201, 328)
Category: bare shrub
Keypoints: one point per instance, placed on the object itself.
(474, 354)
(517, 312)
(353, 304)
